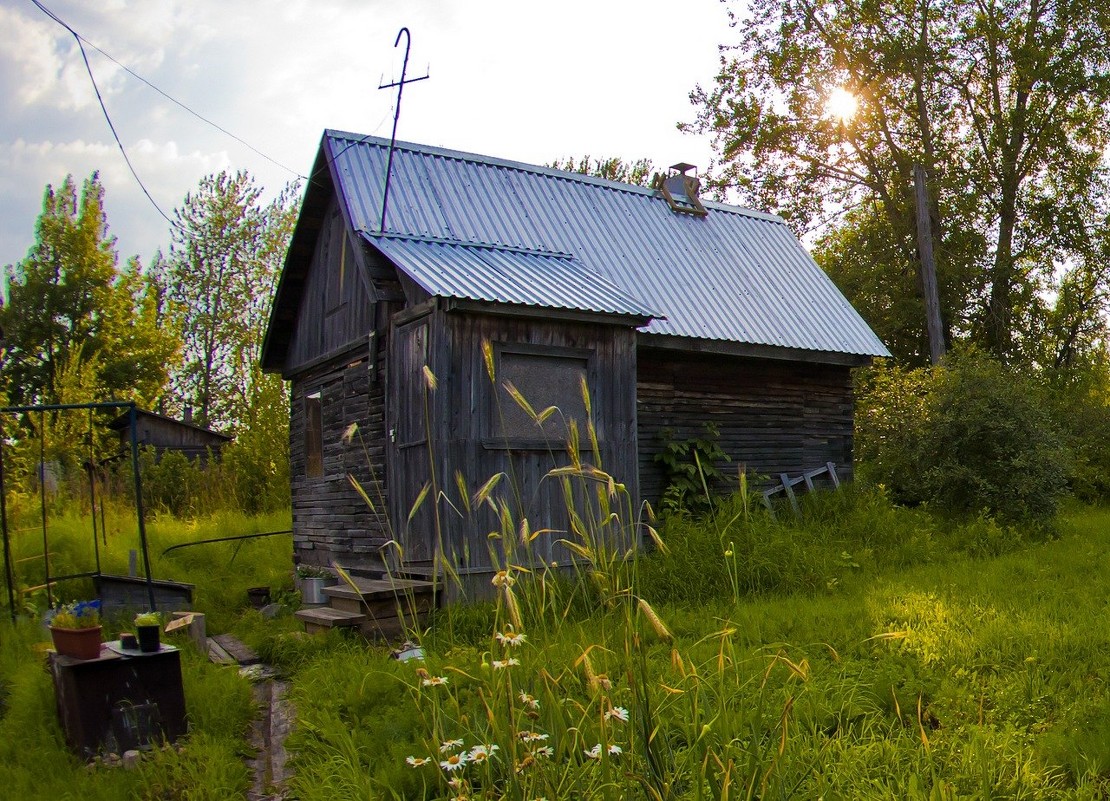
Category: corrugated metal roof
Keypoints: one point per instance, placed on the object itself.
(506, 275)
(735, 275)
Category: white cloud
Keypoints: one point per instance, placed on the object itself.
(530, 82)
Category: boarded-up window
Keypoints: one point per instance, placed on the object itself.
(313, 436)
(543, 379)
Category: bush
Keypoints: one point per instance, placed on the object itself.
(969, 437)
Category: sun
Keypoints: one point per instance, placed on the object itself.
(841, 104)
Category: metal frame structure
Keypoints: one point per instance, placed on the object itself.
(131, 409)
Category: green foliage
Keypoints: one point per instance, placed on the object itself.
(227, 252)
(1079, 403)
(969, 437)
(636, 172)
(691, 470)
(75, 326)
(1004, 104)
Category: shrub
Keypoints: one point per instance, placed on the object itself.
(969, 437)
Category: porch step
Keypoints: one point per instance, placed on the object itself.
(322, 618)
(380, 607)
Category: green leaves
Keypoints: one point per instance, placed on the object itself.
(1005, 104)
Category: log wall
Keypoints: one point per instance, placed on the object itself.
(331, 522)
(773, 416)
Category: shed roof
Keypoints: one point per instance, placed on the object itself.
(469, 226)
(501, 274)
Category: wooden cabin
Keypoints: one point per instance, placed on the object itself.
(169, 434)
(672, 310)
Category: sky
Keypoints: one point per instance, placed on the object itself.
(520, 80)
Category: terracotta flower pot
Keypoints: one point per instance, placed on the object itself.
(78, 643)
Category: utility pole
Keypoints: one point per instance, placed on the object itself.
(928, 267)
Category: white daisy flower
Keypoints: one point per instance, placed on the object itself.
(510, 639)
(450, 745)
(434, 681)
(417, 762)
(528, 700)
(617, 713)
(455, 761)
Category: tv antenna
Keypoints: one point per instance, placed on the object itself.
(396, 115)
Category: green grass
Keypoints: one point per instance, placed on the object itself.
(34, 762)
(925, 672)
(894, 657)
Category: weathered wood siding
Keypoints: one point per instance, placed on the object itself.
(470, 414)
(331, 522)
(773, 416)
(335, 307)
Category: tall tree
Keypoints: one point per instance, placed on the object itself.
(227, 251)
(72, 314)
(1006, 103)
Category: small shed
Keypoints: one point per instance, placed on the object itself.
(672, 310)
(169, 434)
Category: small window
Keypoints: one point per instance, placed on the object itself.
(543, 379)
(313, 436)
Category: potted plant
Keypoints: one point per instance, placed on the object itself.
(148, 629)
(75, 629)
(312, 579)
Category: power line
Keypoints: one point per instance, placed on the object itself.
(82, 41)
(104, 109)
(196, 114)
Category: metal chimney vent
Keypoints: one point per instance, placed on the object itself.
(680, 190)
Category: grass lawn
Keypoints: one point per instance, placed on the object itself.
(896, 667)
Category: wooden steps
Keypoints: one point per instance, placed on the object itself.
(379, 607)
(322, 618)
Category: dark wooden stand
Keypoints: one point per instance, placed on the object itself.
(119, 702)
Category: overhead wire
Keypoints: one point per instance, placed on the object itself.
(81, 42)
(104, 109)
(196, 114)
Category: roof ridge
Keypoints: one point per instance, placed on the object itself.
(550, 172)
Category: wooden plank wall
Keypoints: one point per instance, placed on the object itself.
(335, 308)
(773, 416)
(331, 521)
(466, 403)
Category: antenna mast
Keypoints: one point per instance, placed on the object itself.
(396, 115)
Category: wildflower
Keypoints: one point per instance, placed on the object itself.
(531, 736)
(499, 664)
(544, 751)
(510, 639)
(617, 713)
(434, 681)
(528, 700)
(455, 761)
(595, 752)
(480, 753)
(456, 784)
(417, 762)
(449, 745)
(502, 579)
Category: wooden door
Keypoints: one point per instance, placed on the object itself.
(409, 443)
